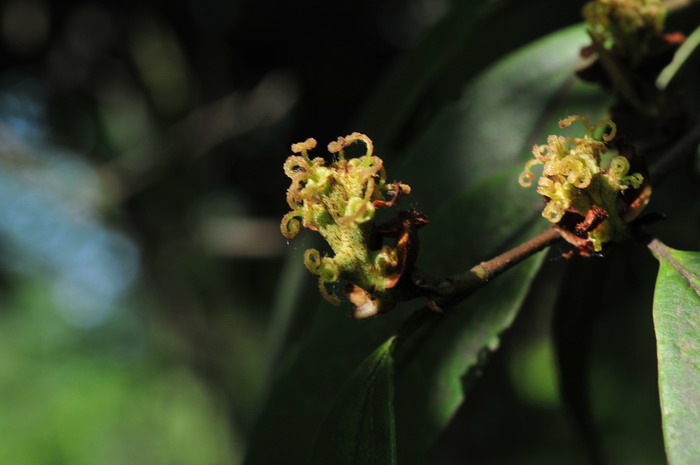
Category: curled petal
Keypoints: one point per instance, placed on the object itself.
(290, 224)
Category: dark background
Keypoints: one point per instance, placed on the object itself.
(141, 151)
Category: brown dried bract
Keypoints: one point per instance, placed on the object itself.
(405, 228)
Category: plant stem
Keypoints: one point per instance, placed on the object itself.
(450, 291)
(466, 283)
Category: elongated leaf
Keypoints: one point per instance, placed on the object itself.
(333, 346)
(471, 37)
(677, 323)
(506, 110)
(434, 369)
(573, 326)
(359, 428)
(513, 105)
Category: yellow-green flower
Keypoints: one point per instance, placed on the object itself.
(339, 200)
(582, 179)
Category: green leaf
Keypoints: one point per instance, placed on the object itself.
(680, 59)
(472, 36)
(677, 324)
(490, 130)
(359, 428)
(333, 345)
(508, 108)
(573, 327)
(439, 364)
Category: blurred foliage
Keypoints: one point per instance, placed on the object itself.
(151, 311)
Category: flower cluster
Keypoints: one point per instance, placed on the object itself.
(582, 180)
(624, 25)
(339, 200)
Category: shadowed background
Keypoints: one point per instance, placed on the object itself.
(141, 182)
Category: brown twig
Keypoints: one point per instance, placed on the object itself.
(463, 284)
(447, 292)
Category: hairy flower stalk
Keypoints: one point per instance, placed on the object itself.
(339, 200)
(584, 185)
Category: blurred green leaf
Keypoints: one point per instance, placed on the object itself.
(676, 316)
(359, 428)
(471, 37)
(508, 108)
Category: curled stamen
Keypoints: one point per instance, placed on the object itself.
(312, 260)
(619, 166)
(608, 136)
(356, 136)
(396, 190)
(568, 121)
(328, 296)
(553, 212)
(290, 225)
(295, 165)
(337, 148)
(359, 210)
(294, 200)
(527, 176)
(367, 167)
(576, 172)
(541, 152)
(304, 147)
(328, 270)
